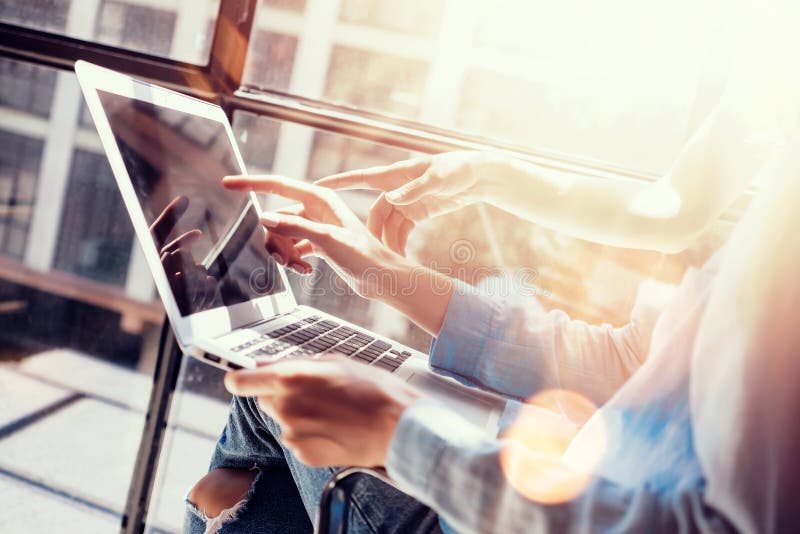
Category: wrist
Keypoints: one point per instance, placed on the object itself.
(392, 413)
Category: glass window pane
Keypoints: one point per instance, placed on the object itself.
(273, 66)
(614, 81)
(96, 233)
(383, 81)
(78, 324)
(177, 29)
(26, 88)
(19, 157)
(420, 17)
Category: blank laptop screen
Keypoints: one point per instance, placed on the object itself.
(176, 162)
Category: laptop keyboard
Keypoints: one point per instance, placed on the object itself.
(313, 335)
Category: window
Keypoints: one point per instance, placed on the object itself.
(575, 77)
(373, 80)
(77, 324)
(26, 88)
(417, 17)
(19, 165)
(177, 29)
(95, 234)
(147, 29)
(50, 15)
(272, 66)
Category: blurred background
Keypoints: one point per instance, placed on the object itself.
(621, 83)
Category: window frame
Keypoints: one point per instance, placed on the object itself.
(220, 81)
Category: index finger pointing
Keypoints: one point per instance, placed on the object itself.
(383, 178)
(272, 183)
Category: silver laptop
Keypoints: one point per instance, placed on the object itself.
(228, 301)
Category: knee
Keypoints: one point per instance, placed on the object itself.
(221, 489)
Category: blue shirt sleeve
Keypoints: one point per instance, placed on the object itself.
(513, 346)
(451, 466)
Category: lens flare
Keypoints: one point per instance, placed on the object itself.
(532, 458)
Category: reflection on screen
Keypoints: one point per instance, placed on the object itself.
(209, 240)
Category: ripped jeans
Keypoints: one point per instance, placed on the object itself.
(285, 494)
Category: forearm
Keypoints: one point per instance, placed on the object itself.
(602, 210)
(419, 293)
(712, 169)
(435, 455)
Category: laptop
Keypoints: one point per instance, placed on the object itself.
(229, 303)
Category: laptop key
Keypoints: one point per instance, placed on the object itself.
(367, 358)
(357, 342)
(346, 329)
(345, 349)
(340, 335)
(325, 344)
(381, 345)
(383, 364)
(295, 339)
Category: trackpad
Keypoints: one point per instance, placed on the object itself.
(473, 406)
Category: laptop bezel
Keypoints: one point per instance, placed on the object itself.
(208, 323)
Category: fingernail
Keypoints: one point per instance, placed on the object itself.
(393, 196)
(270, 220)
(277, 257)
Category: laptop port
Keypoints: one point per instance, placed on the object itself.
(212, 358)
(234, 366)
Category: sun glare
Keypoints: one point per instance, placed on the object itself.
(535, 444)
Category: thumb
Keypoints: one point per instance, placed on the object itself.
(414, 190)
(251, 382)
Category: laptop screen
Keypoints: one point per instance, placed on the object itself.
(209, 240)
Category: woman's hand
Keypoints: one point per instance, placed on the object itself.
(415, 190)
(320, 224)
(332, 411)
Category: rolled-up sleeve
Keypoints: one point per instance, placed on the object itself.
(515, 347)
